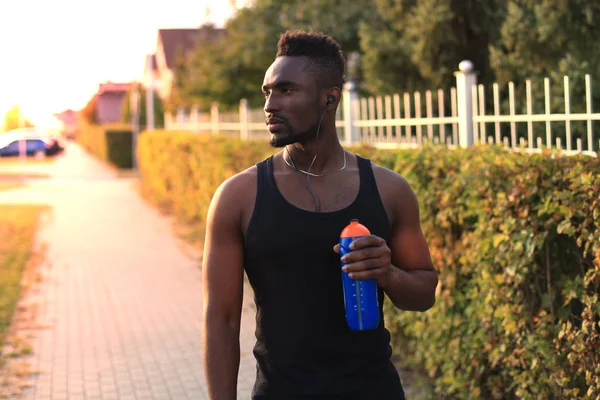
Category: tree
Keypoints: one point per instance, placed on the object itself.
(180, 85)
(234, 67)
(159, 109)
(88, 113)
(549, 38)
(403, 45)
(13, 119)
(339, 19)
(385, 61)
(230, 68)
(413, 45)
(537, 37)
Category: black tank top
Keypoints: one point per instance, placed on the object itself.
(304, 347)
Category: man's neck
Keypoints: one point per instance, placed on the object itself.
(328, 149)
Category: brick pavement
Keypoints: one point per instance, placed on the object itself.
(120, 300)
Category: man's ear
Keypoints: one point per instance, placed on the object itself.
(333, 97)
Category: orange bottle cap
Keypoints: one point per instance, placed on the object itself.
(354, 229)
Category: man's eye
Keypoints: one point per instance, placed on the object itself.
(287, 90)
(266, 94)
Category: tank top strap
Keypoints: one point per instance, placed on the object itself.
(368, 185)
(263, 176)
(264, 195)
(369, 196)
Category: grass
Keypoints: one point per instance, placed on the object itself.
(10, 185)
(15, 161)
(18, 225)
(16, 175)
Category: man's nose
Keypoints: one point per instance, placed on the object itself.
(271, 104)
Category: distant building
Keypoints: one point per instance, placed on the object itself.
(109, 102)
(68, 123)
(170, 45)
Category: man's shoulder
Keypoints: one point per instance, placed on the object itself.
(394, 190)
(239, 185)
(390, 179)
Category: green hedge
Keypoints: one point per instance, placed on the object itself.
(514, 237)
(109, 143)
(516, 241)
(181, 171)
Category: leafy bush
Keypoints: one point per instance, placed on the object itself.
(110, 143)
(181, 171)
(118, 148)
(516, 242)
(514, 237)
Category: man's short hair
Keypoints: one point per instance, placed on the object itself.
(323, 50)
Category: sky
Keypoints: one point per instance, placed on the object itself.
(55, 53)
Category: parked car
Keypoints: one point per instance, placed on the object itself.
(37, 143)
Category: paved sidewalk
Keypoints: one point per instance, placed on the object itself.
(120, 299)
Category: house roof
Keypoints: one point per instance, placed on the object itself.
(185, 39)
(110, 87)
(175, 39)
(66, 116)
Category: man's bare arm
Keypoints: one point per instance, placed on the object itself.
(222, 270)
(404, 268)
(413, 280)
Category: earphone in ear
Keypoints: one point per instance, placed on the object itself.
(330, 100)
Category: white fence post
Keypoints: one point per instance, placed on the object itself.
(180, 119)
(350, 101)
(214, 117)
(194, 119)
(244, 111)
(465, 80)
(168, 121)
(150, 97)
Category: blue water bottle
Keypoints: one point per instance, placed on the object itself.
(360, 296)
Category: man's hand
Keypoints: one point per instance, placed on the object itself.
(370, 258)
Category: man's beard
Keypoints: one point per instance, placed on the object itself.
(291, 136)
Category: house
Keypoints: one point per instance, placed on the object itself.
(68, 123)
(170, 45)
(109, 102)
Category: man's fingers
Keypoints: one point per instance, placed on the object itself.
(362, 254)
(364, 275)
(368, 264)
(367, 241)
(336, 248)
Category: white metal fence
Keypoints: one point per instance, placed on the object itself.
(395, 121)
(456, 118)
(549, 138)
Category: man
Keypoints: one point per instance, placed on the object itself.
(280, 221)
